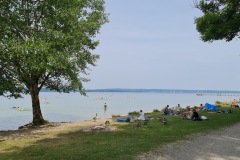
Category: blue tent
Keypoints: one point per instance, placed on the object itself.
(211, 107)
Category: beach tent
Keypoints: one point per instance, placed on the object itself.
(211, 107)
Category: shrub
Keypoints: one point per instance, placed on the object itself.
(116, 116)
(133, 113)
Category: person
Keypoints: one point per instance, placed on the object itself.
(141, 115)
(201, 107)
(105, 109)
(178, 109)
(235, 104)
(188, 114)
(95, 118)
(128, 119)
(105, 105)
(195, 116)
(166, 110)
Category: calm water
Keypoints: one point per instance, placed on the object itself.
(74, 107)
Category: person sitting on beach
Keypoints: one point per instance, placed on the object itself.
(235, 101)
(188, 114)
(201, 107)
(196, 116)
(141, 115)
(234, 104)
(171, 112)
(178, 109)
(166, 110)
(128, 119)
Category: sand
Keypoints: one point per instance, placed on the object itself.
(30, 132)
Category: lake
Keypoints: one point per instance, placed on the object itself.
(71, 107)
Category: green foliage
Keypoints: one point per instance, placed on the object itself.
(134, 113)
(116, 116)
(48, 43)
(218, 102)
(220, 20)
(156, 110)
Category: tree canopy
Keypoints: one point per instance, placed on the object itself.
(220, 20)
(47, 43)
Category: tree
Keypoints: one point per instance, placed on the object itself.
(47, 43)
(220, 20)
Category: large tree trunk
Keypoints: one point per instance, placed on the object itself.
(37, 114)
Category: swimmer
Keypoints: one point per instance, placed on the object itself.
(105, 105)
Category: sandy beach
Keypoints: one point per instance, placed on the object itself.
(87, 125)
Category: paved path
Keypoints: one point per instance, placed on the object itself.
(223, 144)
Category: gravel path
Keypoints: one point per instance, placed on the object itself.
(223, 144)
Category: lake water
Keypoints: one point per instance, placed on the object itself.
(74, 107)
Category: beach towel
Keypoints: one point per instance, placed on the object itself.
(121, 120)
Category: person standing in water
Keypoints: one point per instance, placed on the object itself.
(105, 105)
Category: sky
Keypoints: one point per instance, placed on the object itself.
(154, 44)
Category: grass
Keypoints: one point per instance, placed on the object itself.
(126, 143)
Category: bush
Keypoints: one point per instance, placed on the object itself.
(116, 116)
(133, 113)
(218, 103)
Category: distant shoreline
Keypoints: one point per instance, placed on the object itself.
(158, 91)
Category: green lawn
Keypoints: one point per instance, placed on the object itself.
(126, 143)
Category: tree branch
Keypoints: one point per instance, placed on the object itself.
(43, 82)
